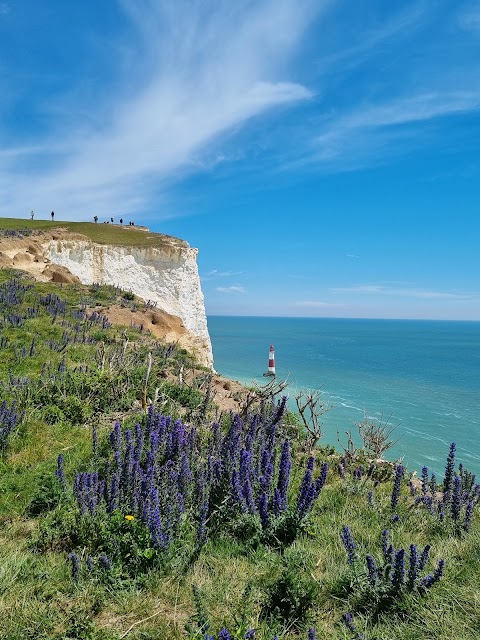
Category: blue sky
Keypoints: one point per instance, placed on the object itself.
(322, 155)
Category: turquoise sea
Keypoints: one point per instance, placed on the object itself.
(423, 376)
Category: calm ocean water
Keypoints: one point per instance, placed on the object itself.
(424, 376)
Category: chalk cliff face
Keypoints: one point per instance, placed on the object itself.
(166, 275)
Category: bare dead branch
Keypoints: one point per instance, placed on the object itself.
(311, 407)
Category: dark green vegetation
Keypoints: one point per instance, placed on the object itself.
(117, 521)
(113, 234)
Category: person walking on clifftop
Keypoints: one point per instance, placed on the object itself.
(53, 215)
(31, 214)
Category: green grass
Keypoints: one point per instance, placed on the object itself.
(113, 234)
(235, 578)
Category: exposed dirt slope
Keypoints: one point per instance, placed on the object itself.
(226, 393)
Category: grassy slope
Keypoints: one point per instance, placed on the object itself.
(113, 234)
(39, 600)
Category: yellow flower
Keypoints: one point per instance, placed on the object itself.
(129, 518)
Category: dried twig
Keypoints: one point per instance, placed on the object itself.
(135, 624)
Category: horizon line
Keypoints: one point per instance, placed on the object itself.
(223, 315)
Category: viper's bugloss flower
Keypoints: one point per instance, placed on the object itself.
(412, 488)
(398, 573)
(397, 485)
(424, 556)
(385, 542)
(438, 573)
(349, 544)
(424, 481)
(348, 621)
(456, 506)
(75, 565)
(60, 472)
(284, 475)
(434, 577)
(449, 471)
(306, 483)
(413, 566)
(104, 561)
(358, 473)
(312, 634)
(433, 486)
(468, 516)
(237, 494)
(263, 510)
(372, 570)
(250, 635)
(224, 634)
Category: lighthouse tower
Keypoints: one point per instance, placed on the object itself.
(271, 362)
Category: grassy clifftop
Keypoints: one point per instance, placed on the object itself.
(130, 507)
(113, 234)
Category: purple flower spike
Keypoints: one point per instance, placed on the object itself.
(349, 544)
(398, 575)
(413, 566)
(397, 485)
(422, 563)
(348, 621)
(449, 472)
(372, 570)
(76, 566)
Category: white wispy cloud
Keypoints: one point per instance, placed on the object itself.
(232, 289)
(407, 292)
(215, 273)
(194, 71)
(374, 126)
(367, 42)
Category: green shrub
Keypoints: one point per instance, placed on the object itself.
(294, 592)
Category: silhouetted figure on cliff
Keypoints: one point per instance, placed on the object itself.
(31, 214)
(53, 215)
(111, 220)
(95, 219)
(121, 220)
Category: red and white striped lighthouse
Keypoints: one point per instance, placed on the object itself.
(271, 361)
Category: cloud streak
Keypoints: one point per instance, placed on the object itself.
(232, 289)
(373, 128)
(404, 292)
(223, 67)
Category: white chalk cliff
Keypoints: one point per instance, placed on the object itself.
(166, 274)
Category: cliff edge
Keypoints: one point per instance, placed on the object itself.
(160, 269)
